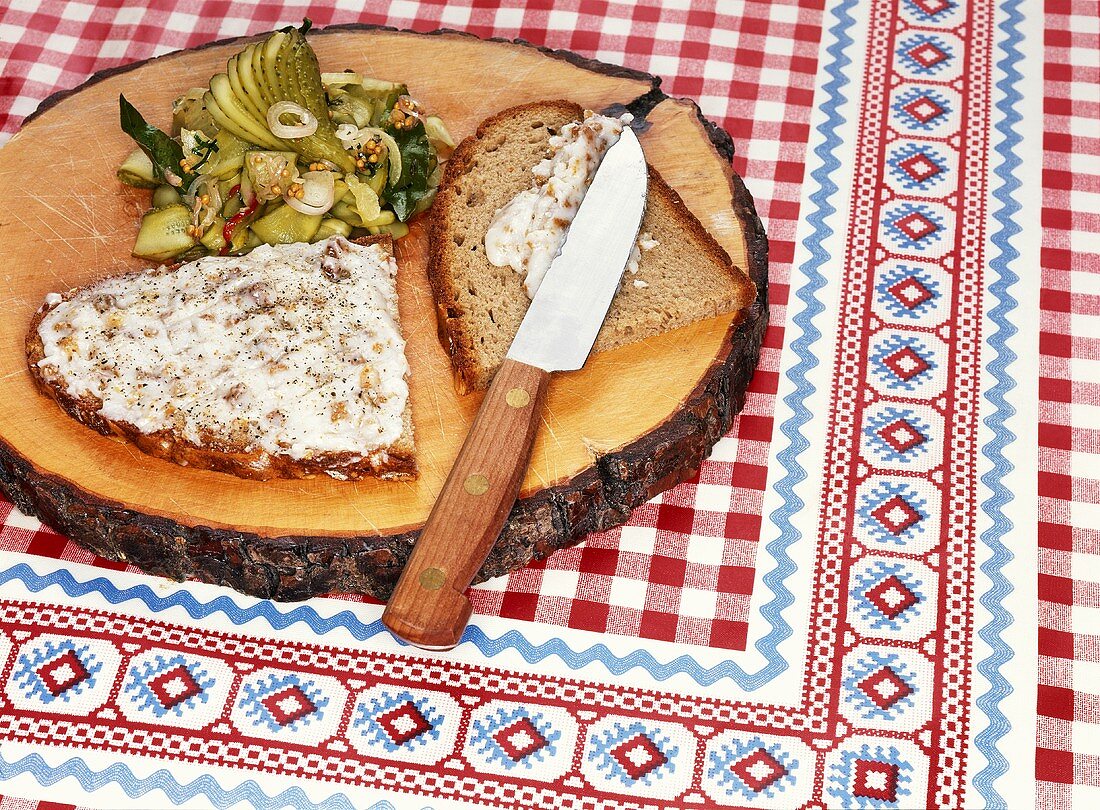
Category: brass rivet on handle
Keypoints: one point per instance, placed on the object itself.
(518, 398)
(476, 484)
(432, 579)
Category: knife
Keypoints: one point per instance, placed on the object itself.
(428, 607)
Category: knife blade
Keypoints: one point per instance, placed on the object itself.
(428, 607)
(571, 303)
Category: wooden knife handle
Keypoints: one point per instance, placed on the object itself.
(428, 607)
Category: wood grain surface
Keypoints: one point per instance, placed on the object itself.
(289, 539)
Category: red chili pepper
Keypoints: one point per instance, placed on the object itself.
(235, 220)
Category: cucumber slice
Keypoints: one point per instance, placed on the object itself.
(258, 75)
(331, 227)
(377, 181)
(245, 62)
(222, 120)
(269, 74)
(386, 100)
(340, 79)
(164, 196)
(188, 112)
(300, 82)
(385, 218)
(379, 88)
(137, 170)
(397, 230)
(347, 213)
(245, 126)
(250, 241)
(285, 225)
(232, 206)
(163, 233)
(232, 71)
(229, 158)
(213, 240)
(437, 132)
(225, 185)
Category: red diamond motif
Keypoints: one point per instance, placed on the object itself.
(920, 167)
(932, 7)
(923, 109)
(909, 292)
(758, 770)
(891, 597)
(901, 436)
(885, 688)
(927, 54)
(638, 756)
(62, 673)
(520, 739)
(174, 686)
(896, 515)
(288, 705)
(403, 723)
(875, 780)
(906, 363)
(916, 226)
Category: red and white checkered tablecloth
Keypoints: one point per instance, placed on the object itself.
(1068, 756)
(825, 617)
(703, 536)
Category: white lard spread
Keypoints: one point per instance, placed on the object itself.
(528, 233)
(297, 348)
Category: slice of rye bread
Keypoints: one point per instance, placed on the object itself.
(687, 277)
(228, 454)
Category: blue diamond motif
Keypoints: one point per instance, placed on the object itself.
(873, 614)
(915, 227)
(897, 436)
(897, 687)
(488, 737)
(734, 781)
(844, 784)
(376, 720)
(922, 108)
(902, 363)
(887, 527)
(141, 693)
(917, 168)
(255, 695)
(605, 749)
(924, 54)
(29, 664)
(907, 292)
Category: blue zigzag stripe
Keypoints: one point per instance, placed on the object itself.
(346, 620)
(247, 792)
(993, 599)
(791, 428)
(772, 612)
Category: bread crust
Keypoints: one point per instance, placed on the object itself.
(220, 454)
(453, 330)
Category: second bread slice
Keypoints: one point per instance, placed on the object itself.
(685, 278)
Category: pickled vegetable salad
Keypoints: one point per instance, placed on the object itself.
(274, 151)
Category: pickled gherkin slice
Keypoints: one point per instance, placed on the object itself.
(165, 233)
(299, 80)
(284, 225)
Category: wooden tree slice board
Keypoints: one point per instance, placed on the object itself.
(633, 423)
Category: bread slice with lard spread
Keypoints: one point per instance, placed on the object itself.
(502, 212)
(285, 363)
